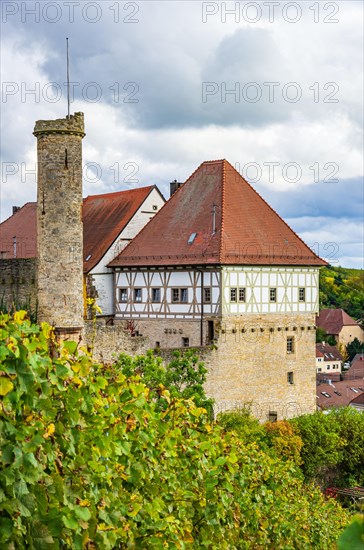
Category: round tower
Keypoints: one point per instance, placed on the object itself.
(59, 223)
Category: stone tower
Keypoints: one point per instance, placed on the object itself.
(59, 223)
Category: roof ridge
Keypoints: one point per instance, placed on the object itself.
(274, 211)
(157, 214)
(118, 192)
(223, 182)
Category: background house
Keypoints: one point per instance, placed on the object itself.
(110, 221)
(328, 359)
(337, 323)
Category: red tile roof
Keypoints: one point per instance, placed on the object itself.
(333, 320)
(334, 400)
(23, 226)
(104, 217)
(329, 353)
(356, 371)
(247, 230)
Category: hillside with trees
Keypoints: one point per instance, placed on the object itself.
(341, 287)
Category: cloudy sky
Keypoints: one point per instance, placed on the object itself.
(274, 87)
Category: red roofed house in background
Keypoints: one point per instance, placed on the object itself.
(338, 323)
(110, 221)
(218, 265)
(328, 359)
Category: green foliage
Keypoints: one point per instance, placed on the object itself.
(241, 422)
(322, 336)
(18, 305)
(322, 445)
(353, 348)
(342, 288)
(88, 461)
(283, 438)
(333, 446)
(184, 376)
(353, 536)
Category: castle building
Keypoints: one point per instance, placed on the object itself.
(217, 266)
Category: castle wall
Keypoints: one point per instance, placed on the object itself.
(248, 363)
(18, 283)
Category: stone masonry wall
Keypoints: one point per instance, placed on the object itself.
(108, 341)
(18, 283)
(59, 221)
(248, 363)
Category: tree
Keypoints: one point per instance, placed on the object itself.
(354, 347)
(183, 376)
(88, 460)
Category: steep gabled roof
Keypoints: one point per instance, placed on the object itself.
(104, 217)
(23, 227)
(216, 217)
(333, 320)
(329, 353)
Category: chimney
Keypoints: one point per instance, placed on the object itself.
(173, 186)
(15, 209)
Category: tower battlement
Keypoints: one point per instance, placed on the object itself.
(72, 125)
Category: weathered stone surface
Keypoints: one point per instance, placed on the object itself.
(59, 221)
(17, 283)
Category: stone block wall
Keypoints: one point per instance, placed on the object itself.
(18, 283)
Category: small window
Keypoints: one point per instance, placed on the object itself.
(272, 294)
(185, 342)
(325, 394)
(241, 294)
(137, 294)
(123, 294)
(184, 294)
(207, 295)
(155, 207)
(290, 344)
(272, 416)
(301, 294)
(179, 295)
(319, 369)
(233, 292)
(290, 377)
(156, 295)
(191, 238)
(328, 367)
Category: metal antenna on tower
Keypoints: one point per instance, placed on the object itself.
(68, 82)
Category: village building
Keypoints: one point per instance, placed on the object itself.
(337, 323)
(110, 221)
(328, 359)
(218, 267)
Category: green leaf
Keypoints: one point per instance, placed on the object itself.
(353, 536)
(83, 513)
(5, 385)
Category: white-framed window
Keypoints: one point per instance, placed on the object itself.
(242, 294)
(207, 295)
(290, 344)
(272, 294)
(156, 295)
(138, 295)
(179, 295)
(319, 369)
(123, 294)
(233, 294)
(301, 294)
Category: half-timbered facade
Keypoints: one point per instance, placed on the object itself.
(218, 265)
